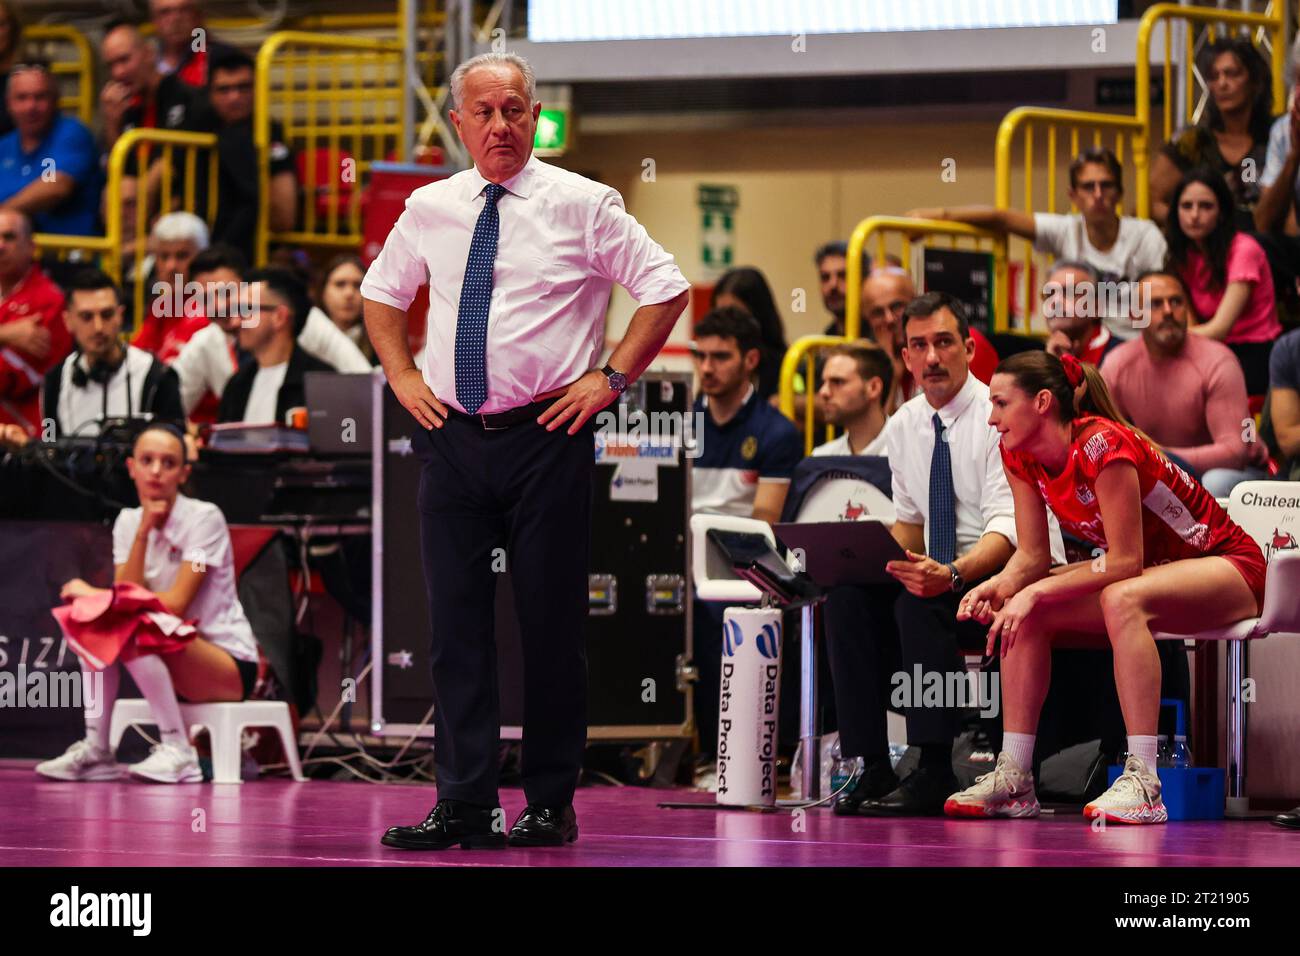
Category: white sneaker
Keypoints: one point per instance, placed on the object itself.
(1007, 791)
(169, 763)
(84, 760)
(1133, 798)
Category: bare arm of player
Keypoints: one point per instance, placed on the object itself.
(1120, 502)
(1031, 561)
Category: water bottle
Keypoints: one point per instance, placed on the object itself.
(1180, 756)
(896, 753)
(1164, 756)
(842, 769)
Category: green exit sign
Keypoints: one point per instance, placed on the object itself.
(552, 137)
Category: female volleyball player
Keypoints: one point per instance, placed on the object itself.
(1173, 561)
(179, 549)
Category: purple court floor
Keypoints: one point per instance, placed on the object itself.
(324, 823)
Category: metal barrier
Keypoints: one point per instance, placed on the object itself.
(1122, 134)
(340, 98)
(875, 230)
(70, 55)
(125, 218)
(1268, 31)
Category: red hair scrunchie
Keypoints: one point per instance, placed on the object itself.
(1073, 370)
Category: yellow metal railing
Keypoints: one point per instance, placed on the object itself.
(1026, 125)
(344, 97)
(70, 55)
(126, 239)
(876, 232)
(1267, 29)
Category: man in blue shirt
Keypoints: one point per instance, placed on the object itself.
(49, 166)
(748, 451)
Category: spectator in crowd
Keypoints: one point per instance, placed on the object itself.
(885, 295)
(230, 96)
(748, 452)
(1278, 182)
(832, 261)
(747, 289)
(136, 94)
(955, 521)
(186, 47)
(178, 550)
(1072, 309)
(1117, 247)
(49, 165)
(1225, 272)
(856, 381)
(174, 314)
(1284, 402)
(1231, 138)
(340, 300)
(1185, 391)
(11, 41)
(33, 337)
(104, 377)
(264, 390)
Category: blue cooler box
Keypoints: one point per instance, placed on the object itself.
(1194, 793)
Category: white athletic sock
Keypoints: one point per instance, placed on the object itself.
(1144, 746)
(98, 691)
(1020, 748)
(155, 682)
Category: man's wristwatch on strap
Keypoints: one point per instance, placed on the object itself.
(957, 582)
(617, 380)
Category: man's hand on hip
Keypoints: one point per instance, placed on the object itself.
(582, 398)
(417, 398)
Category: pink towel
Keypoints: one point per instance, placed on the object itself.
(124, 622)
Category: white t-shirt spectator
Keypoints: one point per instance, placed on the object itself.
(1139, 247)
(1279, 144)
(260, 409)
(195, 532)
(840, 446)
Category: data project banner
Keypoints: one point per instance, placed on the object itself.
(578, 20)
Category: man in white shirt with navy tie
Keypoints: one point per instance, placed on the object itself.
(520, 257)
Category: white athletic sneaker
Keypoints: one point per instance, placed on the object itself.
(1133, 798)
(168, 763)
(1007, 791)
(84, 760)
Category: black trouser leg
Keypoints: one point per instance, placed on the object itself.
(707, 653)
(549, 552)
(862, 644)
(460, 527)
(929, 630)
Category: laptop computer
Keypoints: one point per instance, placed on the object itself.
(339, 412)
(843, 552)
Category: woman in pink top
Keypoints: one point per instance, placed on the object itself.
(1226, 272)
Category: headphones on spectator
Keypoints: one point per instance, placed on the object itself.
(102, 373)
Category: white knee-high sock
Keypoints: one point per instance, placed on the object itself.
(1020, 748)
(98, 691)
(155, 682)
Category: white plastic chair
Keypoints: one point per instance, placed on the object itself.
(1280, 615)
(714, 578)
(225, 723)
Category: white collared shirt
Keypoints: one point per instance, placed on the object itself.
(984, 500)
(195, 532)
(564, 241)
(82, 408)
(840, 446)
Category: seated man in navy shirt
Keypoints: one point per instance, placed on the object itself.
(748, 451)
(49, 166)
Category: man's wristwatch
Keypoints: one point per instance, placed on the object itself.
(617, 380)
(957, 582)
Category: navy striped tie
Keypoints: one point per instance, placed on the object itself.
(943, 500)
(475, 301)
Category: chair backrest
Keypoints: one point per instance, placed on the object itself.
(840, 488)
(1268, 511)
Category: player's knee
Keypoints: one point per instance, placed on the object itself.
(1121, 605)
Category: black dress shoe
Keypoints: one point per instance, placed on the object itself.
(1289, 819)
(921, 794)
(545, 826)
(877, 780)
(449, 823)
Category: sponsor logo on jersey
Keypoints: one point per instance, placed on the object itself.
(1096, 446)
(1084, 494)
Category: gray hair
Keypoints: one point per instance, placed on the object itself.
(457, 82)
(181, 227)
(1075, 265)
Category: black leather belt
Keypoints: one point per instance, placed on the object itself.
(513, 416)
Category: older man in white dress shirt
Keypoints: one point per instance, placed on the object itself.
(520, 258)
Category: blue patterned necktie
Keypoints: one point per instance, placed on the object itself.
(475, 300)
(943, 500)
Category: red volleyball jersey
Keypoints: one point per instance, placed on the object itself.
(1180, 519)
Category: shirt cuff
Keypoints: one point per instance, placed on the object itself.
(1004, 525)
(380, 295)
(661, 288)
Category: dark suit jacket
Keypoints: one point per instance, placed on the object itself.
(234, 400)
